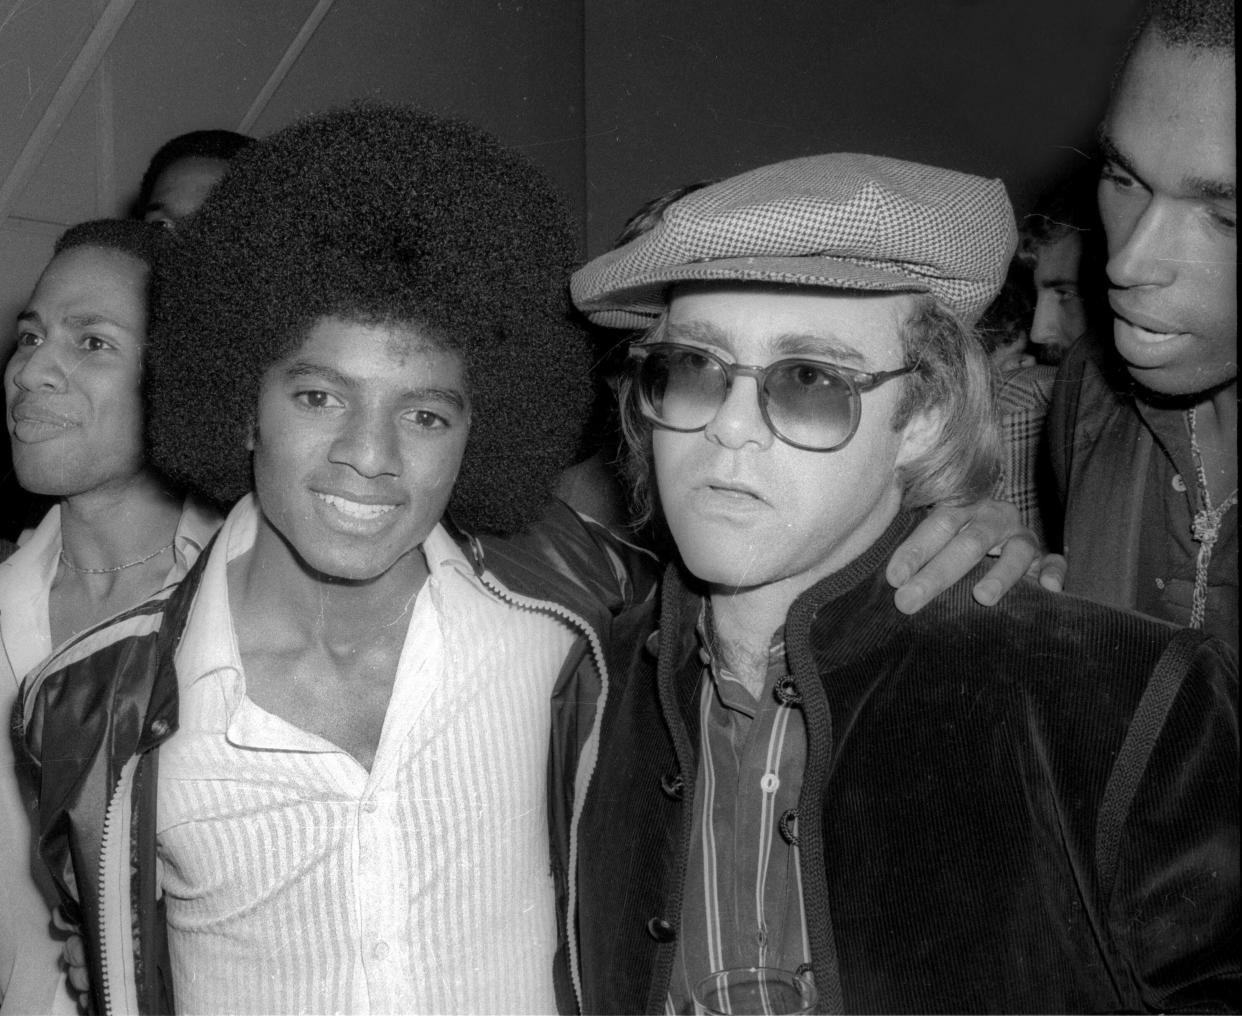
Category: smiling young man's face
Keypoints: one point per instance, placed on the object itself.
(359, 438)
(1169, 206)
(747, 509)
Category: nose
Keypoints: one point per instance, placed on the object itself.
(739, 421)
(368, 442)
(1045, 325)
(39, 368)
(1144, 253)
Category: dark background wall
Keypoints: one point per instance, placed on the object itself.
(618, 99)
(681, 90)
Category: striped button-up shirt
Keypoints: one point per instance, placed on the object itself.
(743, 898)
(297, 881)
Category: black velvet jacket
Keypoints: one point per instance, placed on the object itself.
(1031, 807)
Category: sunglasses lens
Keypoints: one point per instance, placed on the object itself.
(810, 405)
(681, 388)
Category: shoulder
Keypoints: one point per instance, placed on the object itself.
(1062, 649)
(572, 559)
(78, 686)
(1090, 377)
(1026, 389)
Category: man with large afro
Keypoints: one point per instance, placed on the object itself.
(376, 213)
(351, 809)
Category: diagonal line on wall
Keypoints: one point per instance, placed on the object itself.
(67, 93)
(286, 64)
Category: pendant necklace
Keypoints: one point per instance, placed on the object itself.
(1204, 527)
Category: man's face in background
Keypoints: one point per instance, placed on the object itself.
(1169, 205)
(1060, 317)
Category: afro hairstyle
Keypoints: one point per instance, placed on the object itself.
(212, 144)
(378, 214)
(139, 240)
(1199, 24)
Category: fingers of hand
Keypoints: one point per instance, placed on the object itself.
(1051, 569)
(929, 537)
(952, 540)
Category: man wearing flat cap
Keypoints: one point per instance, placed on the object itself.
(1024, 808)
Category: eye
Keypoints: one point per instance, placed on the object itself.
(95, 344)
(810, 375)
(425, 419)
(1114, 175)
(692, 360)
(30, 339)
(1226, 221)
(315, 399)
(1117, 177)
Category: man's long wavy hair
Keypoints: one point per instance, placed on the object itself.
(951, 376)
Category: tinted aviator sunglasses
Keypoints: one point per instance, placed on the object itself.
(809, 404)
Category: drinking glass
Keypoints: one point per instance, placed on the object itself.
(746, 990)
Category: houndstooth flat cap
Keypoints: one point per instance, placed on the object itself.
(845, 221)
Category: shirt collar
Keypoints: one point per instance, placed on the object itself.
(210, 642)
(25, 580)
(198, 524)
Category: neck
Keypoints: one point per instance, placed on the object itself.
(304, 607)
(112, 526)
(743, 624)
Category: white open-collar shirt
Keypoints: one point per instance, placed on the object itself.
(296, 881)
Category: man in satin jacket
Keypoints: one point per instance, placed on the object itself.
(1026, 809)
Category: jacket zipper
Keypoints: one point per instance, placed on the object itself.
(590, 749)
(116, 933)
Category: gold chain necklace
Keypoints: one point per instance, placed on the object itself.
(1204, 527)
(120, 567)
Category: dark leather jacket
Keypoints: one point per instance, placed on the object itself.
(1031, 807)
(108, 699)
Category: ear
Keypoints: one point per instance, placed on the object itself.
(252, 434)
(920, 435)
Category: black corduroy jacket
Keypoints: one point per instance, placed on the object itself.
(1030, 807)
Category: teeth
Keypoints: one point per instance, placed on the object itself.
(355, 509)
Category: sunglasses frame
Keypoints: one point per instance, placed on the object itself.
(856, 381)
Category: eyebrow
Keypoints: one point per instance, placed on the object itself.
(1111, 153)
(1196, 186)
(90, 320)
(787, 344)
(304, 369)
(75, 320)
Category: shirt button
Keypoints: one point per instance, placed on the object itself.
(661, 930)
(1179, 484)
(673, 785)
(770, 783)
(370, 805)
(380, 951)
